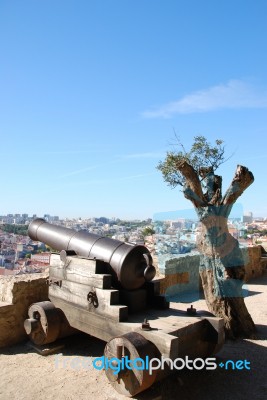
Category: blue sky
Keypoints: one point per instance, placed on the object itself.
(91, 92)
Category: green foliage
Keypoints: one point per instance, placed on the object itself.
(251, 231)
(201, 154)
(51, 250)
(147, 231)
(17, 229)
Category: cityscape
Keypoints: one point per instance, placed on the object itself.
(170, 238)
(133, 225)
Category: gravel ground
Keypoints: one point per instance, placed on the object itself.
(25, 375)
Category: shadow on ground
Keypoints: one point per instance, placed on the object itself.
(245, 384)
(220, 383)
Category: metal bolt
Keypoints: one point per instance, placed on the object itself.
(146, 325)
(191, 310)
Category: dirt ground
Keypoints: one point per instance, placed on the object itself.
(25, 375)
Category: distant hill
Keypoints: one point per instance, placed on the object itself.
(189, 213)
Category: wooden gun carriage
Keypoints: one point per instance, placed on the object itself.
(105, 288)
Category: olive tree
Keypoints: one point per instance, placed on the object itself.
(221, 266)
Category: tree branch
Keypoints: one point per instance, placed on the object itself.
(241, 181)
(217, 188)
(212, 185)
(189, 194)
(192, 187)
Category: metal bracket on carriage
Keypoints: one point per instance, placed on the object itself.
(92, 299)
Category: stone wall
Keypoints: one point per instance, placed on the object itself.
(17, 293)
(252, 259)
(181, 281)
(181, 277)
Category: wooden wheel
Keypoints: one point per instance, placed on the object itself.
(43, 324)
(131, 346)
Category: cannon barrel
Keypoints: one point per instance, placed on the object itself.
(130, 265)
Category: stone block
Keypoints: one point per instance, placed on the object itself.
(17, 293)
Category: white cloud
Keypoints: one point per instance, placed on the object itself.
(233, 94)
(78, 171)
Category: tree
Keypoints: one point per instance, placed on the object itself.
(16, 229)
(221, 267)
(147, 231)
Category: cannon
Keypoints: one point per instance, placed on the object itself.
(107, 289)
(130, 265)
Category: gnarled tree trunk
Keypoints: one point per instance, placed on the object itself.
(221, 267)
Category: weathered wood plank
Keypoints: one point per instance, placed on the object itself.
(105, 301)
(79, 270)
(75, 263)
(108, 296)
(101, 281)
(104, 328)
(54, 260)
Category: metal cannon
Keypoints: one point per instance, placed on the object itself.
(130, 265)
(106, 288)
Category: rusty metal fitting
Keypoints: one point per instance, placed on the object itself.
(191, 310)
(92, 298)
(146, 325)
